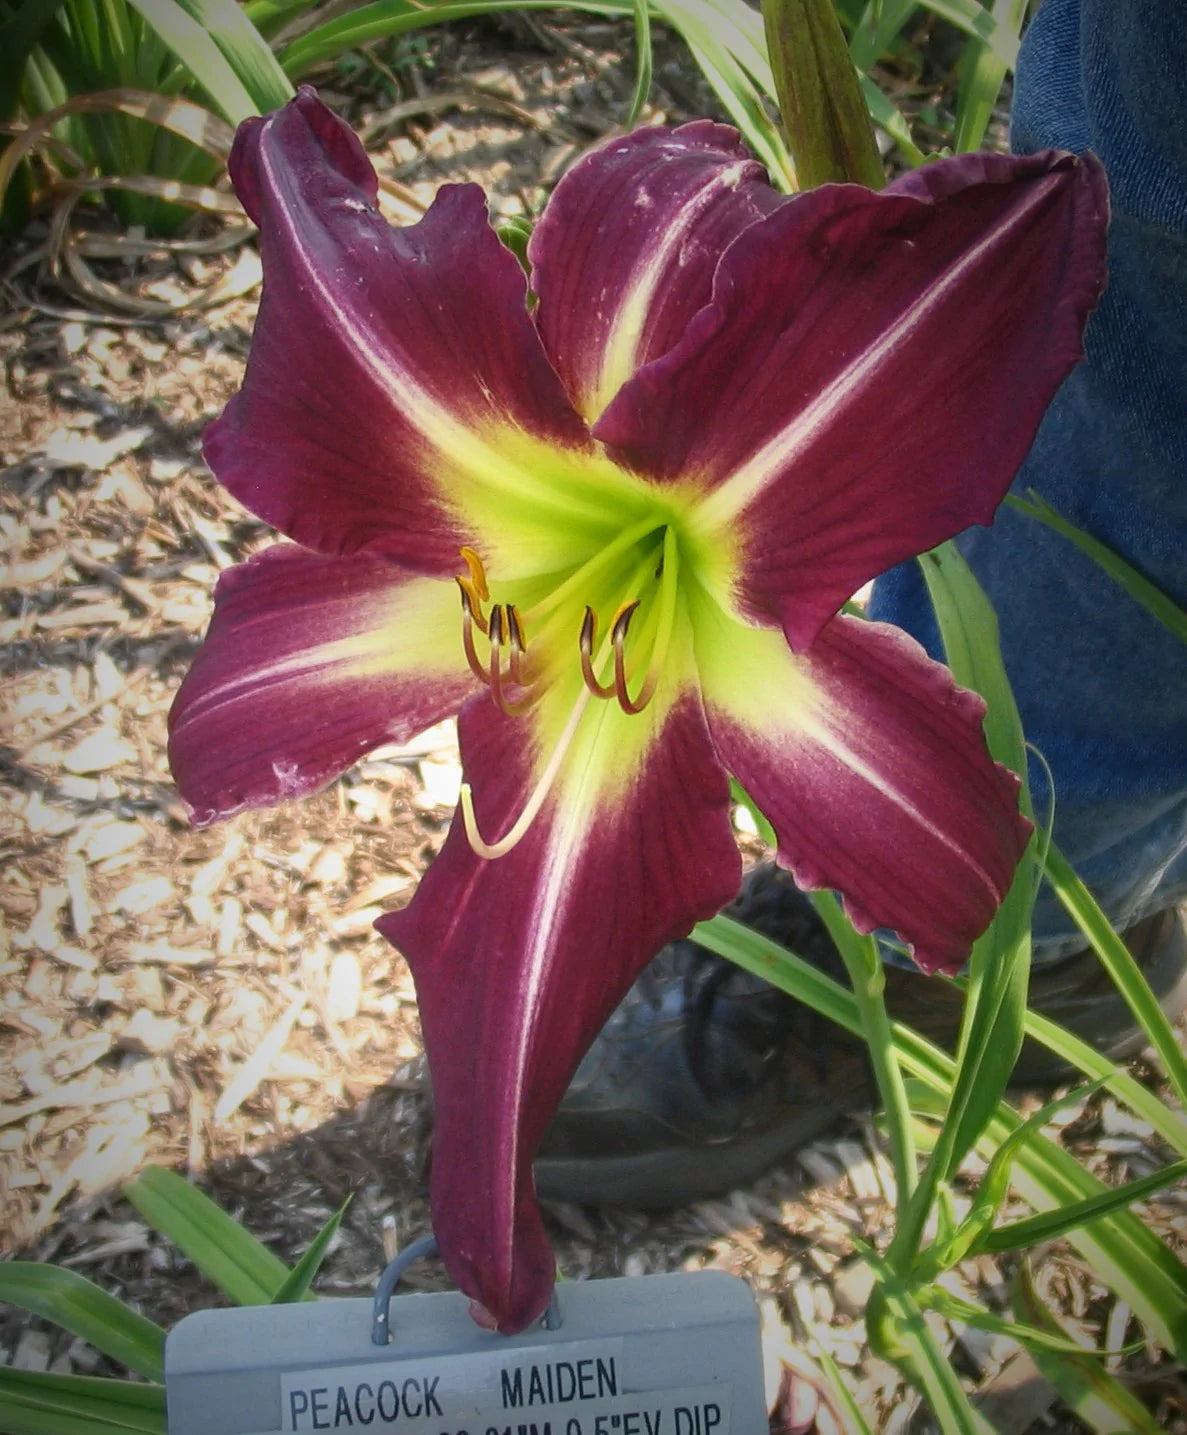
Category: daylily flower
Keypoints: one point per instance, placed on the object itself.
(613, 530)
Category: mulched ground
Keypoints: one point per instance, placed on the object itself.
(217, 1001)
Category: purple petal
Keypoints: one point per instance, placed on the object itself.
(310, 662)
(871, 372)
(385, 362)
(519, 961)
(872, 767)
(626, 250)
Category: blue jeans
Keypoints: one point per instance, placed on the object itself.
(1102, 687)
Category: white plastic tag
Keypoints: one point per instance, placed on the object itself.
(661, 1355)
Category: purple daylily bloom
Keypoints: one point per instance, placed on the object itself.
(614, 532)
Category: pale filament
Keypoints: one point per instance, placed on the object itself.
(518, 829)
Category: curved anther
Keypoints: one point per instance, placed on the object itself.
(469, 618)
(517, 642)
(589, 636)
(477, 573)
(501, 620)
(621, 691)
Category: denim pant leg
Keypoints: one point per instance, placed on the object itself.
(1101, 686)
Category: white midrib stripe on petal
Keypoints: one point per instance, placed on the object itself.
(619, 358)
(735, 493)
(818, 732)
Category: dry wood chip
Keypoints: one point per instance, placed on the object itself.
(88, 615)
(43, 931)
(142, 895)
(855, 1159)
(84, 450)
(46, 1067)
(230, 924)
(255, 1069)
(32, 575)
(168, 955)
(149, 1034)
(344, 987)
(98, 751)
(102, 838)
(91, 1090)
(82, 911)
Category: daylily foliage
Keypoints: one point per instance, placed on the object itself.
(613, 531)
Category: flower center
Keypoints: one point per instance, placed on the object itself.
(521, 646)
(519, 650)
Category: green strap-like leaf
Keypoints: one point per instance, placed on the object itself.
(1157, 603)
(1119, 1249)
(643, 62)
(79, 1306)
(1050, 1225)
(244, 49)
(38, 1403)
(1119, 962)
(982, 72)
(300, 1278)
(1084, 1384)
(201, 57)
(218, 1245)
(991, 1034)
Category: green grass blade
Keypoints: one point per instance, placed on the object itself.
(1082, 1381)
(887, 117)
(38, 1403)
(1169, 1125)
(79, 1306)
(991, 1034)
(201, 56)
(396, 17)
(1050, 1225)
(1136, 584)
(972, 17)
(244, 49)
(643, 61)
(981, 76)
(300, 1278)
(1118, 961)
(879, 26)
(19, 34)
(227, 1254)
(898, 1332)
(1118, 1248)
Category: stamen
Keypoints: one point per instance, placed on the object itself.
(477, 573)
(494, 674)
(663, 633)
(518, 643)
(476, 614)
(468, 621)
(518, 829)
(589, 636)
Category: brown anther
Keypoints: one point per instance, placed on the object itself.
(589, 636)
(500, 616)
(468, 620)
(518, 643)
(621, 691)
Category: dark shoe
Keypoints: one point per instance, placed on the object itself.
(706, 1076)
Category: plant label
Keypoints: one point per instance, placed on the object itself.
(660, 1355)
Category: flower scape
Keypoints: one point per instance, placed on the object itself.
(608, 513)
